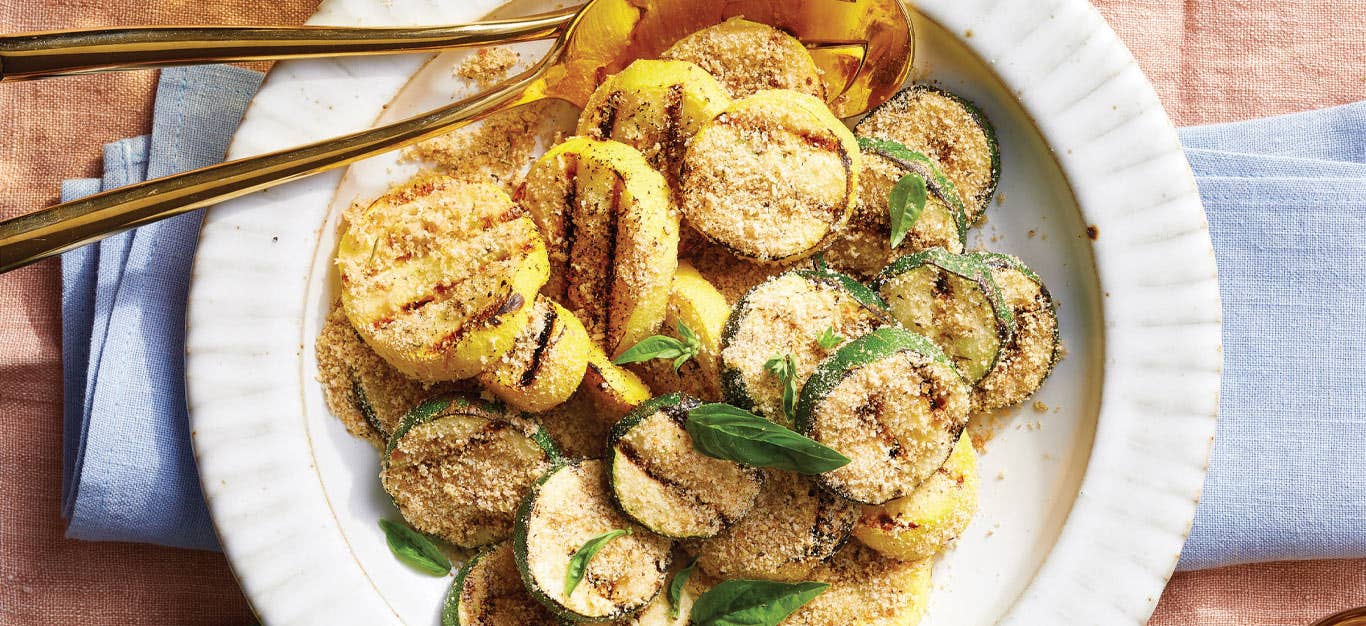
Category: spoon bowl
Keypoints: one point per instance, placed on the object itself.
(863, 47)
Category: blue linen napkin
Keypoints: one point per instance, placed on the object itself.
(129, 472)
(1286, 199)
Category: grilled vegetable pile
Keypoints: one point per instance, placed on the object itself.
(766, 427)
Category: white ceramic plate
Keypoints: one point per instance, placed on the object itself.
(1084, 506)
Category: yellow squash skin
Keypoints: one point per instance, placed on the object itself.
(611, 388)
(919, 525)
(773, 178)
(655, 107)
(695, 302)
(438, 275)
(546, 363)
(612, 235)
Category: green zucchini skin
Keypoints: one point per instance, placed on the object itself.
(936, 181)
(976, 205)
(521, 553)
(675, 407)
(516, 606)
(999, 261)
(968, 267)
(450, 406)
(733, 386)
(880, 344)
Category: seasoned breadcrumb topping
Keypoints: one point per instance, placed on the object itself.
(573, 507)
(493, 593)
(906, 412)
(748, 57)
(867, 589)
(786, 315)
(662, 479)
(793, 527)
(460, 477)
(864, 247)
(931, 122)
(1028, 358)
(487, 65)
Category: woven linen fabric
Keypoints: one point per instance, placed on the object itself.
(1286, 200)
(1211, 61)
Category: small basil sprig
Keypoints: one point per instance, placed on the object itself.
(829, 339)
(752, 602)
(578, 564)
(676, 586)
(664, 347)
(785, 368)
(904, 205)
(415, 549)
(734, 434)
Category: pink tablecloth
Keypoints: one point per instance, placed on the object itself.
(1212, 61)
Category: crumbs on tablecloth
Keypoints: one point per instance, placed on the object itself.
(487, 66)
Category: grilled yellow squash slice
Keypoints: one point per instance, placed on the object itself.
(655, 107)
(546, 362)
(693, 301)
(438, 275)
(612, 389)
(920, 524)
(612, 236)
(748, 57)
(773, 178)
(867, 589)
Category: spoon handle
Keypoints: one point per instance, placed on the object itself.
(29, 56)
(29, 238)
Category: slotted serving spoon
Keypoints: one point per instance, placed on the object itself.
(863, 47)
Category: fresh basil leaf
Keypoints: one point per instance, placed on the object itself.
(752, 602)
(689, 337)
(829, 339)
(734, 434)
(415, 549)
(653, 347)
(785, 368)
(905, 204)
(676, 586)
(578, 564)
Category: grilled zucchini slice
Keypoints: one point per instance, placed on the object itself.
(919, 525)
(546, 363)
(867, 589)
(1028, 358)
(487, 591)
(773, 178)
(613, 390)
(438, 275)
(865, 245)
(607, 218)
(695, 302)
(787, 315)
(794, 526)
(367, 394)
(661, 481)
(570, 505)
(457, 468)
(950, 129)
(890, 401)
(953, 300)
(748, 57)
(655, 107)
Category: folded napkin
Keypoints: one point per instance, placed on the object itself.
(129, 472)
(1286, 199)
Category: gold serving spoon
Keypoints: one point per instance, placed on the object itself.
(864, 48)
(28, 56)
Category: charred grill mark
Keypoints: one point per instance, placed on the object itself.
(486, 316)
(607, 115)
(609, 279)
(672, 139)
(635, 458)
(871, 412)
(543, 341)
